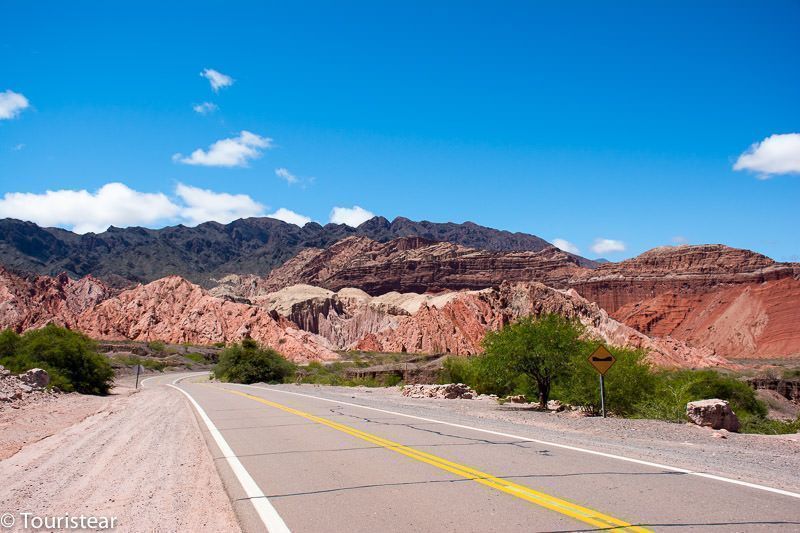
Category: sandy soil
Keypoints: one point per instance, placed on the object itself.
(40, 415)
(116, 456)
(772, 460)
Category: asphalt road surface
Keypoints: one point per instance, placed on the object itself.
(301, 463)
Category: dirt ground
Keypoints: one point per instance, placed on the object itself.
(114, 456)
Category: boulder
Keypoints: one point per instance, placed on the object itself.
(519, 398)
(449, 391)
(714, 413)
(36, 378)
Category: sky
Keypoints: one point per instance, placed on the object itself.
(607, 128)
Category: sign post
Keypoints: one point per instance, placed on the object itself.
(601, 359)
(138, 369)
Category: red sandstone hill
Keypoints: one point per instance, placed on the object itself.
(737, 302)
(170, 309)
(35, 302)
(718, 300)
(740, 303)
(174, 310)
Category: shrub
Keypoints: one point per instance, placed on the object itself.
(540, 350)
(196, 357)
(133, 360)
(675, 388)
(157, 346)
(757, 424)
(70, 358)
(629, 383)
(247, 362)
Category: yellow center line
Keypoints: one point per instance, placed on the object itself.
(578, 512)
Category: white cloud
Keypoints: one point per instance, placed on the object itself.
(352, 216)
(680, 239)
(290, 216)
(18, 147)
(233, 152)
(777, 154)
(604, 246)
(12, 104)
(286, 175)
(565, 245)
(205, 108)
(202, 205)
(117, 204)
(217, 79)
(82, 211)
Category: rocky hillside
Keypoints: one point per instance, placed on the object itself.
(33, 303)
(736, 302)
(170, 309)
(307, 323)
(413, 264)
(121, 256)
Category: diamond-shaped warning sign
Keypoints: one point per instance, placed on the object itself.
(601, 359)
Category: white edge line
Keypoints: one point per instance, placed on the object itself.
(168, 375)
(547, 443)
(269, 516)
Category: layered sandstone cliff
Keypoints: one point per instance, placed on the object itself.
(739, 303)
(456, 322)
(677, 270)
(414, 264)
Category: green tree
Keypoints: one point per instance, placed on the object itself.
(247, 362)
(541, 349)
(69, 357)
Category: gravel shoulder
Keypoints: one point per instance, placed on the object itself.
(765, 459)
(138, 456)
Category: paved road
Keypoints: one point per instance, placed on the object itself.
(331, 466)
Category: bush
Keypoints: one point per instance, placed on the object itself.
(247, 362)
(70, 358)
(539, 350)
(196, 357)
(157, 346)
(675, 388)
(629, 383)
(133, 360)
(756, 424)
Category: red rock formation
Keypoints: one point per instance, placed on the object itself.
(677, 270)
(174, 310)
(413, 264)
(759, 320)
(26, 304)
(460, 325)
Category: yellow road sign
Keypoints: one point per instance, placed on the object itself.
(601, 359)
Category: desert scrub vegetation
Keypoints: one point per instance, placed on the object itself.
(248, 362)
(196, 357)
(336, 374)
(133, 360)
(552, 351)
(70, 358)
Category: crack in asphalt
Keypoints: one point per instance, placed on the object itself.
(337, 411)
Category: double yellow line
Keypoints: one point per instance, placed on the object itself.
(558, 505)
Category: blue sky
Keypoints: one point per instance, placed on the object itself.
(619, 121)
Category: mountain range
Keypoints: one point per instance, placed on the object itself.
(121, 256)
(391, 286)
